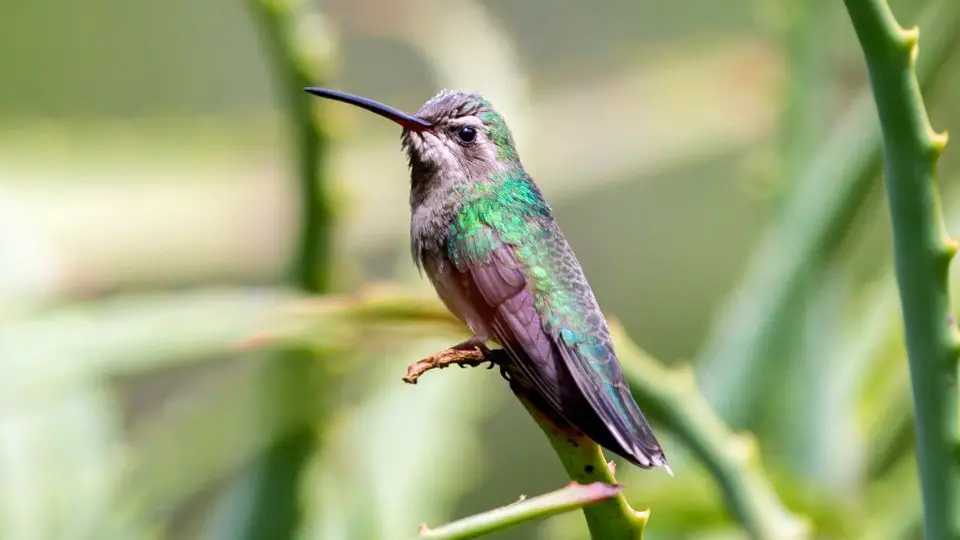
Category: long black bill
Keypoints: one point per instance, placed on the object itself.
(408, 121)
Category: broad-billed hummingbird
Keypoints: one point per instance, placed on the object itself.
(486, 237)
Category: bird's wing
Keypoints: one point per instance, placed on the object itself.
(544, 314)
(491, 275)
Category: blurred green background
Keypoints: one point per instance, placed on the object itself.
(149, 215)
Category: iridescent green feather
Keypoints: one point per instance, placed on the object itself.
(498, 132)
(511, 210)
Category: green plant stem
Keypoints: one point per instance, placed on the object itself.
(582, 459)
(733, 460)
(922, 254)
(569, 498)
(812, 221)
(300, 50)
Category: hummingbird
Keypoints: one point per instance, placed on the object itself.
(485, 236)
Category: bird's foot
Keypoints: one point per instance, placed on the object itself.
(476, 343)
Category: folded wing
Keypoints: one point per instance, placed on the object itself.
(555, 334)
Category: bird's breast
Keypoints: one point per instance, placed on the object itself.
(447, 281)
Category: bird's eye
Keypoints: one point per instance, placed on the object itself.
(467, 134)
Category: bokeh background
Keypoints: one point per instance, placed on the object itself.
(150, 223)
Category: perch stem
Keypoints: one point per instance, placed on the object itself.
(444, 359)
(583, 460)
(568, 498)
(611, 519)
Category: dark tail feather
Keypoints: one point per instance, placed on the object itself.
(604, 409)
(635, 442)
(641, 449)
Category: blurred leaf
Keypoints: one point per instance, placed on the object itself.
(58, 460)
(30, 269)
(127, 335)
(409, 452)
(226, 425)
